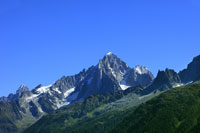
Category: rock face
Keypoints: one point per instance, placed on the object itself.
(139, 76)
(164, 80)
(9, 115)
(21, 91)
(170, 79)
(109, 75)
(112, 74)
(192, 72)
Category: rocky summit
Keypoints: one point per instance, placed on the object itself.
(111, 74)
(104, 93)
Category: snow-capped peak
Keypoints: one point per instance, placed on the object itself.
(109, 53)
(141, 69)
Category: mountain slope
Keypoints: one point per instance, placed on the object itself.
(192, 72)
(22, 90)
(164, 80)
(100, 112)
(116, 76)
(110, 75)
(169, 78)
(9, 114)
(176, 110)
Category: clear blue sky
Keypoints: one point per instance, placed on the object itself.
(42, 40)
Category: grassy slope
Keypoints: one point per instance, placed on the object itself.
(13, 118)
(111, 115)
(96, 114)
(177, 110)
(9, 114)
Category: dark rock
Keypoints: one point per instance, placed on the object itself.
(192, 72)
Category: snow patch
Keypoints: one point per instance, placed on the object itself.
(109, 53)
(57, 90)
(188, 82)
(40, 90)
(32, 97)
(116, 75)
(43, 89)
(124, 87)
(141, 69)
(40, 109)
(182, 84)
(68, 92)
(68, 98)
(113, 73)
(177, 85)
(62, 104)
(49, 92)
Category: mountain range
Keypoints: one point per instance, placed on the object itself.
(110, 75)
(110, 82)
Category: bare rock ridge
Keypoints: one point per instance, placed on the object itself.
(170, 79)
(111, 74)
